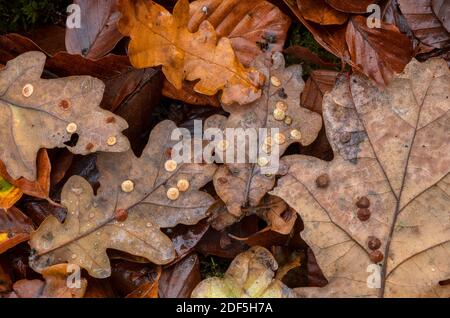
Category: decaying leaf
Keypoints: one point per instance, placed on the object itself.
(379, 52)
(359, 6)
(441, 9)
(55, 285)
(243, 184)
(39, 188)
(379, 212)
(98, 33)
(319, 83)
(320, 12)
(15, 228)
(251, 274)
(159, 38)
(331, 38)
(424, 23)
(253, 27)
(305, 54)
(9, 194)
(137, 197)
(38, 113)
(179, 280)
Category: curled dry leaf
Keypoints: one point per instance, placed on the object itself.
(98, 33)
(251, 274)
(159, 38)
(320, 12)
(384, 199)
(136, 198)
(441, 9)
(55, 285)
(243, 184)
(424, 23)
(277, 214)
(43, 113)
(359, 6)
(380, 53)
(15, 228)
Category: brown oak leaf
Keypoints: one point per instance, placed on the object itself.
(39, 113)
(243, 184)
(253, 27)
(377, 217)
(137, 197)
(160, 38)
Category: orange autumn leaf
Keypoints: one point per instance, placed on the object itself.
(39, 188)
(9, 194)
(160, 38)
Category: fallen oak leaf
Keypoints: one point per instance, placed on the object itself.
(159, 38)
(50, 113)
(137, 197)
(251, 274)
(383, 203)
(253, 27)
(243, 184)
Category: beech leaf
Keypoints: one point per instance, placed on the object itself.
(98, 33)
(320, 12)
(38, 113)
(384, 199)
(160, 38)
(379, 52)
(424, 23)
(131, 206)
